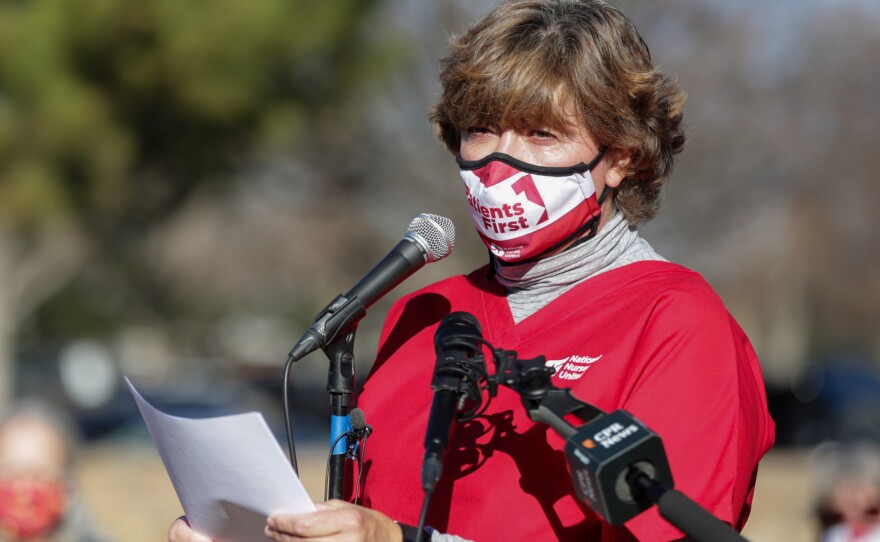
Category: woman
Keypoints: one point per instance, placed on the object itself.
(564, 133)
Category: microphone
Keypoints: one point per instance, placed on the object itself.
(359, 427)
(456, 385)
(619, 469)
(428, 238)
(603, 453)
(359, 431)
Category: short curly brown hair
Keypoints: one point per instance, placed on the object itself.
(519, 63)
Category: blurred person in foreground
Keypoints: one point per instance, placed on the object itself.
(38, 501)
(564, 133)
(849, 493)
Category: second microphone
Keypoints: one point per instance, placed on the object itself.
(458, 374)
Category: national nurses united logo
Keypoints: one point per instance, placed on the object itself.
(572, 367)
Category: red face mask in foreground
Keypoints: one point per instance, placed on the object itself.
(30, 506)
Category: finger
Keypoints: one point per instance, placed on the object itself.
(277, 536)
(331, 504)
(180, 531)
(321, 523)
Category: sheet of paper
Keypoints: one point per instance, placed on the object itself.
(229, 472)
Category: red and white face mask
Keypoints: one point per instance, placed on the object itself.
(522, 211)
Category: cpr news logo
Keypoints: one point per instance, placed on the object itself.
(610, 436)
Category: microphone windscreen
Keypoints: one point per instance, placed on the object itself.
(358, 421)
(435, 233)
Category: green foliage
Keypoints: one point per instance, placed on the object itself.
(112, 111)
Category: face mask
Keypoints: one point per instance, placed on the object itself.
(31, 507)
(522, 211)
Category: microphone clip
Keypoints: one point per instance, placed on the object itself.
(531, 379)
(353, 438)
(466, 377)
(338, 317)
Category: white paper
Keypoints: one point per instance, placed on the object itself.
(229, 472)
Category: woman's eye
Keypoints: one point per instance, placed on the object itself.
(475, 130)
(477, 133)
(542, 134)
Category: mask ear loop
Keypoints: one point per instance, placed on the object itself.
(593, 223)
(493, 261)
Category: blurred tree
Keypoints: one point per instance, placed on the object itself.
(112, 112)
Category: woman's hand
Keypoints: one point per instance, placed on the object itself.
(334, 520)
(180, 531)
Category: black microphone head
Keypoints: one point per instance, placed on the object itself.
(457, 324)
(434, 233)
(358, 421)
(463, 321)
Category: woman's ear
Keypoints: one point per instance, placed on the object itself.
(618, 166)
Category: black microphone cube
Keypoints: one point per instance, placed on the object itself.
(600, 456)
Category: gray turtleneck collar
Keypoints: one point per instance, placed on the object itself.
(531, 286)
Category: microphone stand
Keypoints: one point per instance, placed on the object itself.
(546, 403)
(340, 385)
(428, 238)
(341, 318)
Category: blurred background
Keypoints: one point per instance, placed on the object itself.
(184, 185)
